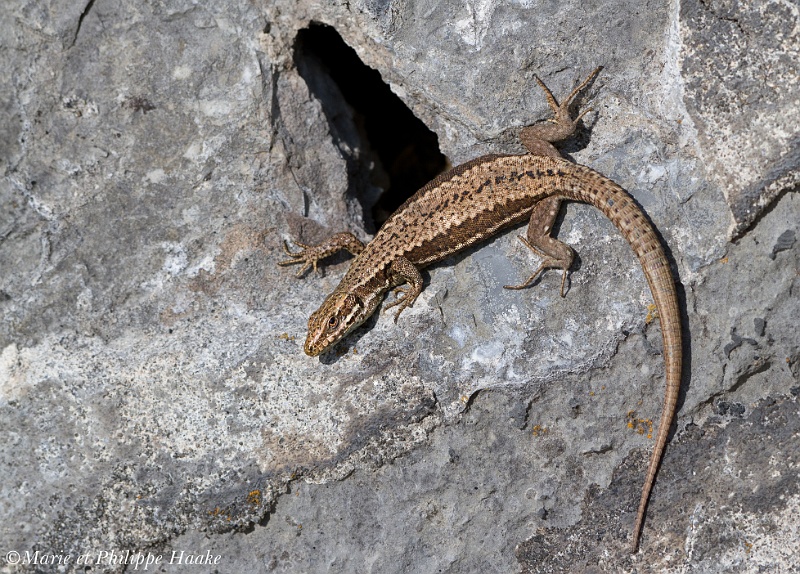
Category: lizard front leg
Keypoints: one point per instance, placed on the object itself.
(403, 270)
(310, 255)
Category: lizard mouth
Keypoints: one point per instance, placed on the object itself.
(311, 349)
(315, 346)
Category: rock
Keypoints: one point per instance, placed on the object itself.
(154, 397)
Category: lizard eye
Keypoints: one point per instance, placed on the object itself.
(332, 322)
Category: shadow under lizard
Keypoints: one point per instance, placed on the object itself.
(471, 203)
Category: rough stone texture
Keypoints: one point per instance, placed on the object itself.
(153, 392)
(741, 63)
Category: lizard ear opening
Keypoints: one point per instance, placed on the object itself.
(394, 151)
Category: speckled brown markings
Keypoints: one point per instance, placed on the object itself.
(473, 202)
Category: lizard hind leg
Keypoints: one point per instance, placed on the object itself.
(538, 137)
(555, 254)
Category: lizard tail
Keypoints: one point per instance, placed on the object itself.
(626, 216)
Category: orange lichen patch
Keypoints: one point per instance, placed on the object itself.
(641, 426)
(652, 313)
(539, 430)
(220, 513)
(723, 260)
(254, 497)
(286, 337)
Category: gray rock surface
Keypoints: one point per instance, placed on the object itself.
(154, 397)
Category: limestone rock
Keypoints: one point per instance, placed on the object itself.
(154, 397)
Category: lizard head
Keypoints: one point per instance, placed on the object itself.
(338, 315)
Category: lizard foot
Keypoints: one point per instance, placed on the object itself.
(404, 298)
(537, 137)
(309, 256)
(548, 263)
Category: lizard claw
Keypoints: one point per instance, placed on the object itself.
(548, 263)
(404, 298)
(291, 253)
(310, 255)
(530, 280)
(307, 255)
(401, 299)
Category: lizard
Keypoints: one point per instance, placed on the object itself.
(474, 201)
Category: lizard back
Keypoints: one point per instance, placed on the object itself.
(460, 208)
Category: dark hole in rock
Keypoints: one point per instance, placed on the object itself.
(391, 153)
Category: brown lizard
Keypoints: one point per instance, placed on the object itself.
(469, 204)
